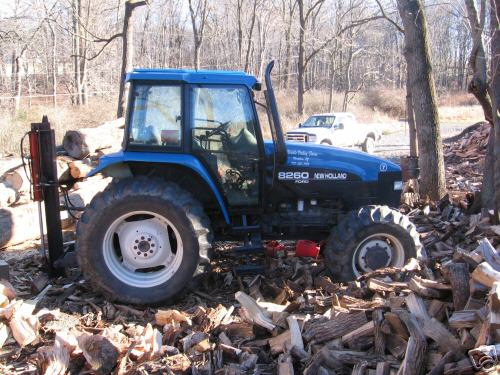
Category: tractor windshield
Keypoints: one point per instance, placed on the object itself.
(319, 122)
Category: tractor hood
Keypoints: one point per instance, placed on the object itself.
(311, 156)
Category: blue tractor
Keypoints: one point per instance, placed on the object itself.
(195, 168)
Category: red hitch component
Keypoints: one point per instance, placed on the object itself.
(35, 163)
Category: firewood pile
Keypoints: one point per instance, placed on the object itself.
(464, 158)
(77, 156)
(438, 315)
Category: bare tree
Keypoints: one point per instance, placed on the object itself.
(306, 12)
(199, 15)
(418, 59)
(127, 51)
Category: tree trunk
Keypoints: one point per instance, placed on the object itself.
(410, 116)
(127, 52)
(478, 86)
(495, 96)
(300, 65)
(418, 58)
(76, 50)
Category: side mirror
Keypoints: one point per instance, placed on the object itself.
(340, 126)
(300, 124)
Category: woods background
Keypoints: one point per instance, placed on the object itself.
(345, 51)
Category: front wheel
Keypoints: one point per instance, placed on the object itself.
(141, 240)
(368, 239)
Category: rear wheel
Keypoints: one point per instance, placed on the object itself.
(147, 246)
(372, 237)
(369, 145)
(326, 142)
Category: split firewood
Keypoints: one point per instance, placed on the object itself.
(279, 343)
(53, 360)
(441, 335)
(7, 289)
(4, 334)
(366, 329)
(458, 274)
(414, 360)
(419, 287)
(8, 195)
(100, 353)
(80, 169)
(378, 320)
(377, 285)
(285, 365)
(494, 305)
(489, 253)
(24, 329)
(295, 334)
(256, 314)
(339, 325)
(86, 141)
(397, 325)
(486, 274)
(463, 319)
(163, 317)
(383, 368)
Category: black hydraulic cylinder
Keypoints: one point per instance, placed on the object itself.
(50, 191)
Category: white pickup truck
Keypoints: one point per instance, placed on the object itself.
(336, 129)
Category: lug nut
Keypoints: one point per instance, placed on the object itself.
(136, 241)
(152, 245)
(135, 247)
(138, 253)
(151, 251)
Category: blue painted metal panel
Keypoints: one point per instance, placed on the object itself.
(364, 165)
(156, 157)
(220, 77)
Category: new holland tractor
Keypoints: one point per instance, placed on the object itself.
(195, 168)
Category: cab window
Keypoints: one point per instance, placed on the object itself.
(156, 116)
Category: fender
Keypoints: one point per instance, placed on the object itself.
(116, 159)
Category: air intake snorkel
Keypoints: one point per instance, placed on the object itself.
(274, 118)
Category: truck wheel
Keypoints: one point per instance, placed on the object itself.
(372, 237)
(141, 240)
(369, 145)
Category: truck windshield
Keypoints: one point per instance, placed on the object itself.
(319, 122)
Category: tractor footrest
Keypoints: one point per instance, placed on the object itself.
(246, 229)
(251, 249)
(248, 269)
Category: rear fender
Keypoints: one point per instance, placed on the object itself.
(116, 165)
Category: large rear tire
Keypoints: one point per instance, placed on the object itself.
(370, 238)
(141, 241)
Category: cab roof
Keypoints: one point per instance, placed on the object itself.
(222, 77)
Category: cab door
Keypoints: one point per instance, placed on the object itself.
(226, 138)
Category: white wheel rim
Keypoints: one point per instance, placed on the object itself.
(142, 249)
(382, 248)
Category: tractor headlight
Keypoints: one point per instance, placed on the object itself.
(398, 185)
(311, 137)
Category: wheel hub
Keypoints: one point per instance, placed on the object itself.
(144, 244)
(375, 254)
